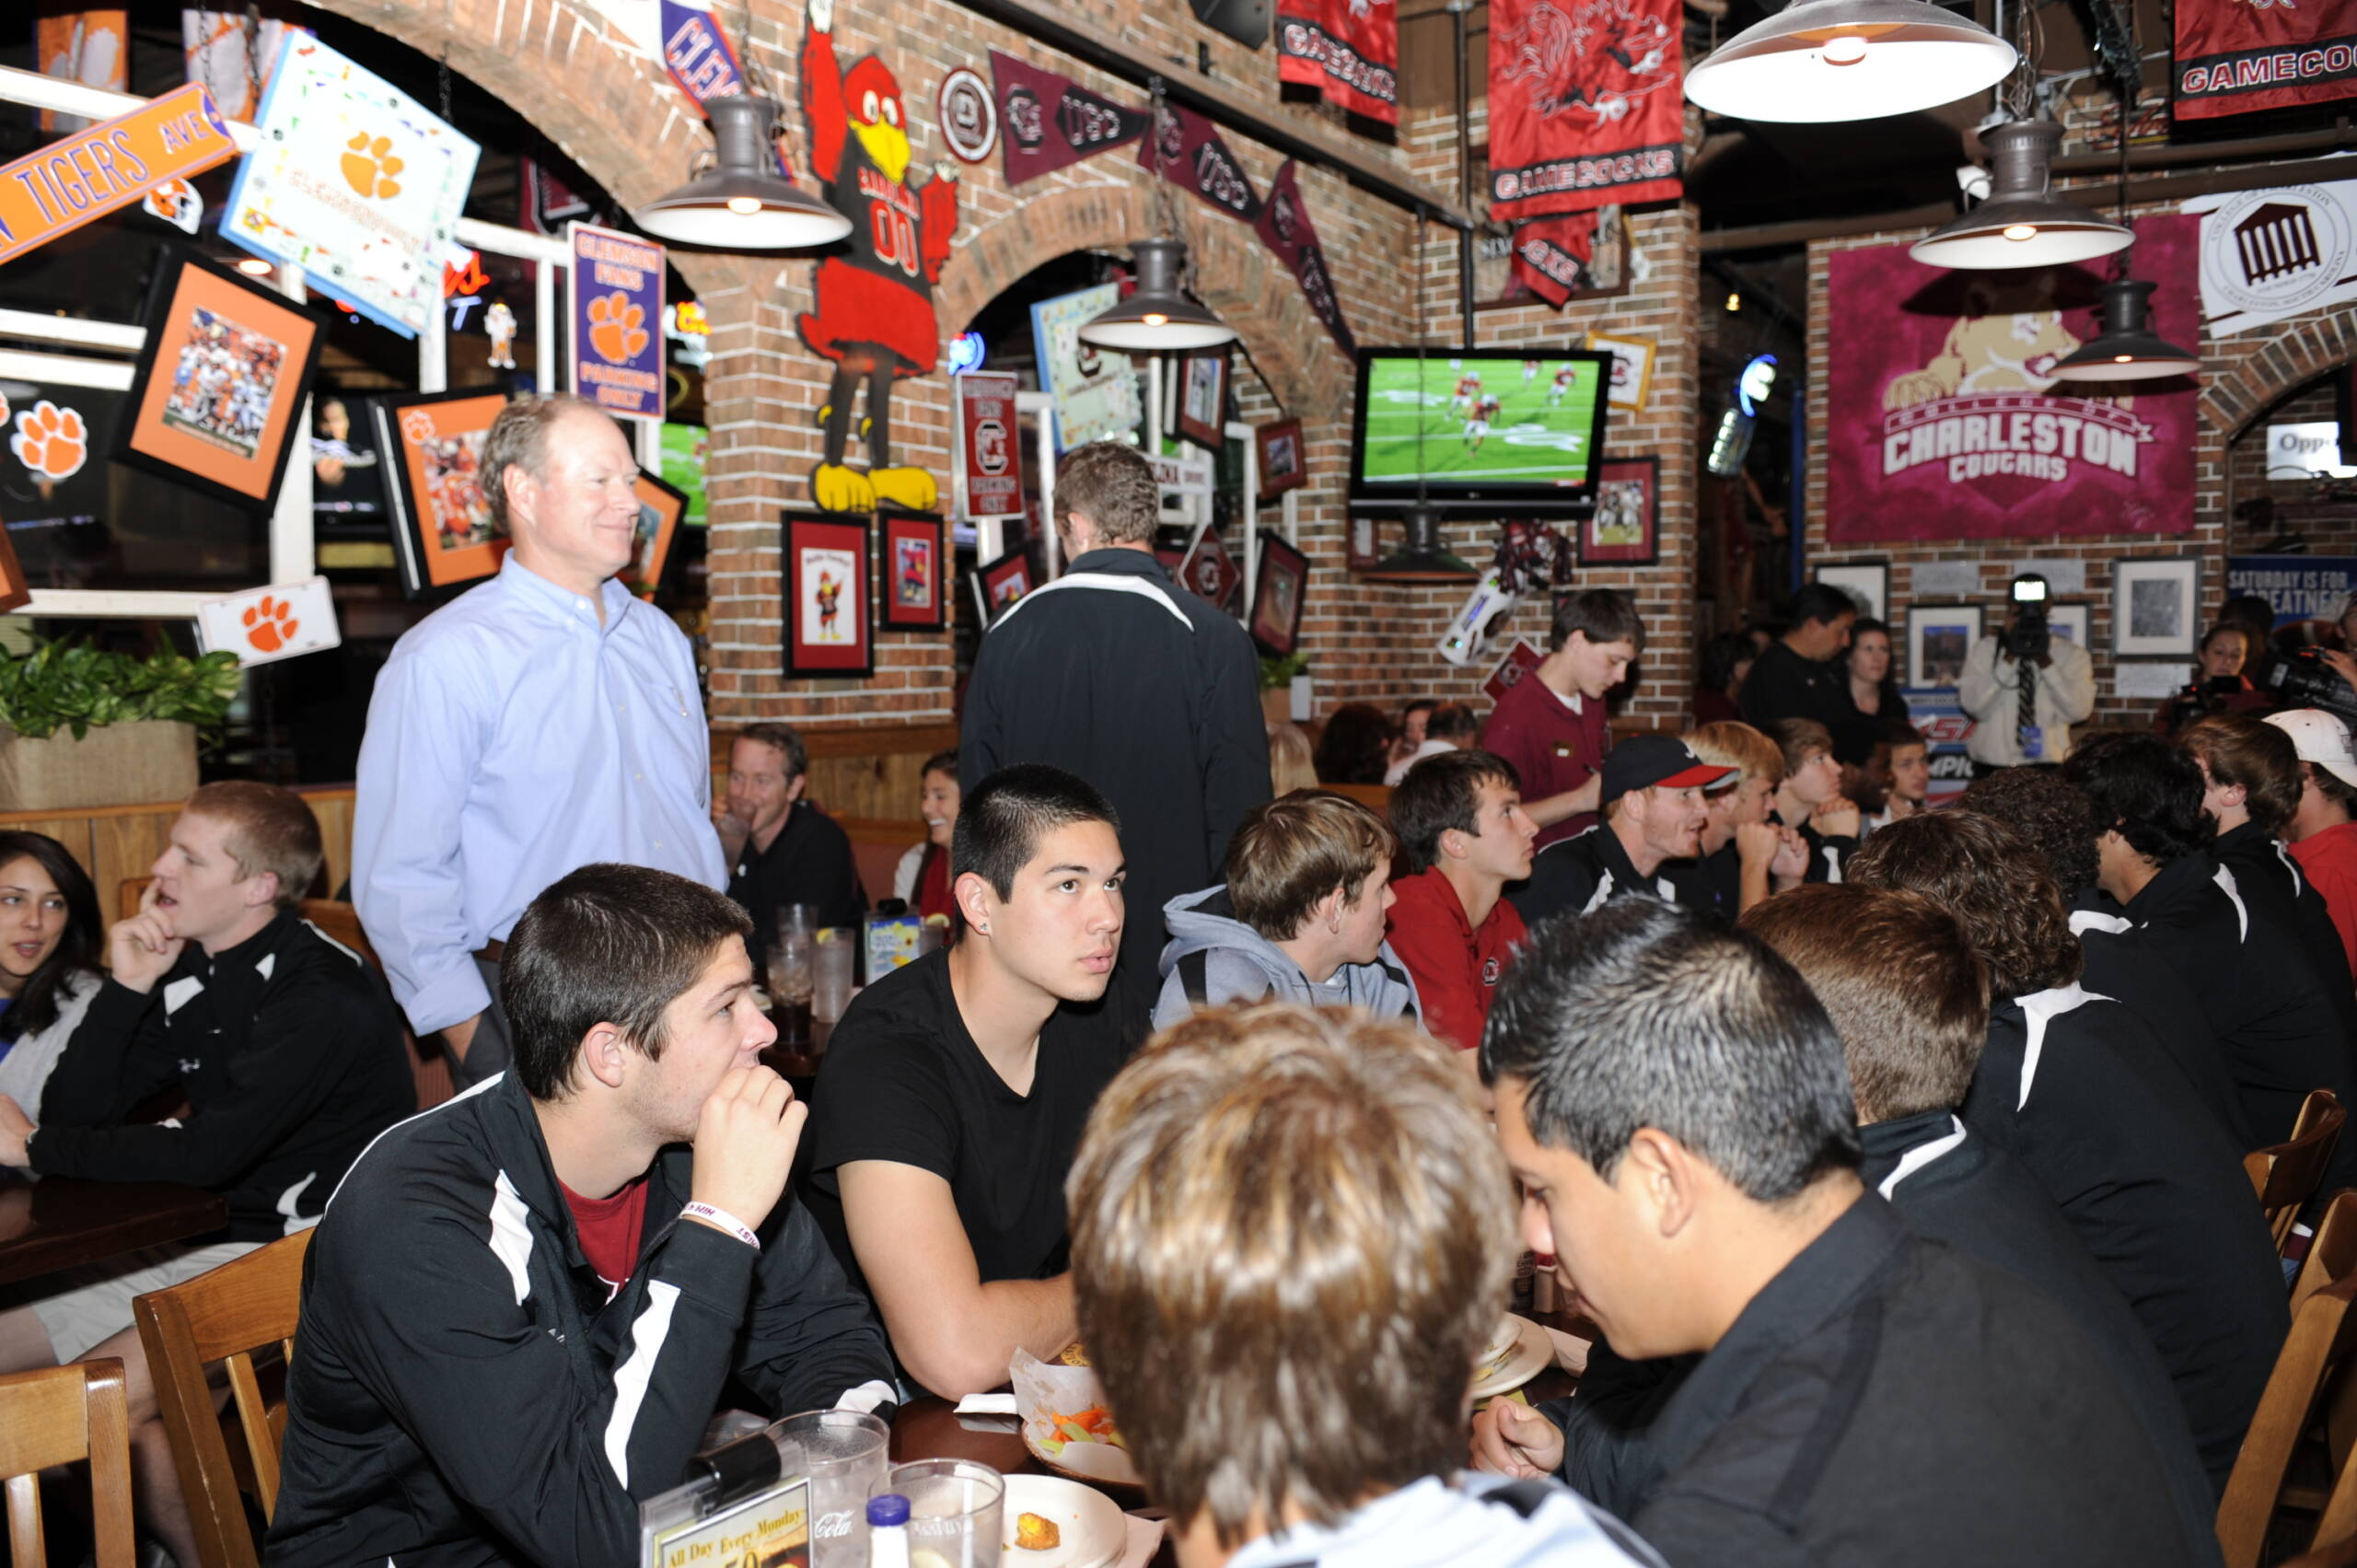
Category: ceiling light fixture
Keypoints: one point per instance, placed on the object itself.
(2023, 222)
(1824, 60)
(2127, 349)
(740, 202)
(1158, 317)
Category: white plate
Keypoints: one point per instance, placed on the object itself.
(1532, 1351)
(1092, 1529)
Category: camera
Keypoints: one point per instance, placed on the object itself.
(2028, 640)
(2304, 680)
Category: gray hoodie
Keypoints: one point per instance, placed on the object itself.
(1239, 963)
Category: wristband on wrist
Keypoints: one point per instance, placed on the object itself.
(721, 1219)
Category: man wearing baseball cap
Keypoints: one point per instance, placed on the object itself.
(1653, 813)
(2322, 837)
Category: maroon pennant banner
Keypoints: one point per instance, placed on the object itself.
(1348, 50)
(1284, 228)
(2233, 58)
(1047, 122)
(1585, 106)
(1195, 157)
(1551, 255)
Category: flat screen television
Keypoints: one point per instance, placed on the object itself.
(1508, 432)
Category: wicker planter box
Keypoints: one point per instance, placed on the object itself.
(118, 764)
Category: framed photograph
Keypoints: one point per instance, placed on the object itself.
(1938, 638)
(1203, 399)
(1364, 547)
(443, 534)
(660, 507)
(2153, 607)
(216, 399)
(1210, 573)
(1279, 584)
(15, 588)
(1283, 463)
(916, 571)
(998, 584)
(1633, 369)
(827, 627)
(1625, 527)
(2072, 622)
(1867, 581)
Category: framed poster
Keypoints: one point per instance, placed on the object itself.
(2153, 607)
(1633, 369)
(613, 316)
(1210, 573)
(916, 573)
(1938, 638)
(15, 588)
(442, 532)
(217, 396)
(1625, 527)
(1283, 464)
(827, 627)
(1363, 550)
(998, 584)
(661, 506)
(1203, 399)
(1867, 581)
(1280, 585)
(1095, 389)
(2072, 622)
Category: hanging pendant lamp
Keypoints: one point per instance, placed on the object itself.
(2023, 222)
(1157, 316)
(1423, 558)
(1822, 60)
(741, 203)
(2127, 349)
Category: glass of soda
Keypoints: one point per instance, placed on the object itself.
(842, 1453)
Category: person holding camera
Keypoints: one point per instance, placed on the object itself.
(2025, 687)
(2219, 685)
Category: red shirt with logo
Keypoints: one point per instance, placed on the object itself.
(1455, 967)
(2330, 860)
(1554, 746)
(609, 1229)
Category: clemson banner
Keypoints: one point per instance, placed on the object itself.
(56, 189)
(614, 291)
(1586, 106)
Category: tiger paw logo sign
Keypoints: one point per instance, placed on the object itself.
(617, 327)
(370, 167)
(265, 625)
(52, 442)
(269, 625)
(874, 311)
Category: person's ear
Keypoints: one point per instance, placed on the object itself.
(1328, 909)
(262, 888)
(974, 896)
(522, 490)
(793, 791)
(1454, 843)
(1665, 1177)
(601, 1054)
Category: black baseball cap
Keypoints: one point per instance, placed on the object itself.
(1646, 761)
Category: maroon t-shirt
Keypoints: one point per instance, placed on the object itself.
(609, 1229)
(1551, 746)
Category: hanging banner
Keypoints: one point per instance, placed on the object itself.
(2269, 254)
(1047, 122)
(2297, 588)
(233, 57)
(1585, 106)
(57, 189)
(1551, 255)
(1195, 157)
(2233, 58)
(614, 311)
(84, 46)
(1943, 422)
(353, 182)
(1284, 228)
(1348, 50)
(1095, 389)
(987, 444)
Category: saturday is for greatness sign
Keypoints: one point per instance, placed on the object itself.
(1944, 421)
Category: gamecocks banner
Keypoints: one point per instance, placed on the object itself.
(1284, 228)
(1348, 50)
(1047, 123)
(1584, 105)
(1195, 157)
(2234, 56)
(1943, 423)
(1551, 255)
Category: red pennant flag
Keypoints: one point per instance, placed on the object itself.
(2233, 58)
(1195, 157)
(1284, 228)
(1585, 106)
(1047, 122)
(1551, 255)
(1348, 50)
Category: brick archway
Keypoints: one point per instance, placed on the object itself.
(2265, 373)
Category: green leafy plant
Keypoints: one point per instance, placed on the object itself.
(1276, 672)
(70, 685)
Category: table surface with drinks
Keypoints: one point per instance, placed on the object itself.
(811, 971)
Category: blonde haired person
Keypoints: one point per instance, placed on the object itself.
(1745, 856)
(1292, 763)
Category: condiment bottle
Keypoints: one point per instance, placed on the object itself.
(887, 1531)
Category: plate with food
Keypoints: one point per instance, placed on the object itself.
(1060, 1524)
(1066, 1424)
(1517, 1352)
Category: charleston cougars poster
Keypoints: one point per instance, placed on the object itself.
(1944, 422)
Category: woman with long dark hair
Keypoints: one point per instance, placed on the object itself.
(50, 935)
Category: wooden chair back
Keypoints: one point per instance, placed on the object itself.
(2287, 1175)
(55, 1416)
(2332, 1254)
(249, 1304)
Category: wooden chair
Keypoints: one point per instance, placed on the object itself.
(56, 1416)
(2287, 1175)
(2310, 1374)
(2332, 1254)
(248, 1304)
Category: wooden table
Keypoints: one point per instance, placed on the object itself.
(60, 1223)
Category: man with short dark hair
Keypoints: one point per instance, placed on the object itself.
(1552, 725)
(1462, 823)
(523, 1306)
(952, 1092)
(1653, 813)
(1676, 1108)
(782, 848)
(1800, 675)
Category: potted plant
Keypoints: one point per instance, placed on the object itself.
(1277, 677)
(83, 726)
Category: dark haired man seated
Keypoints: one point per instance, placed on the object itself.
(1653, 813)
(1676, 1106)
(1460, 819)
(522, 1306)
(955, 1088)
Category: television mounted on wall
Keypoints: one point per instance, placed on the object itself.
(1502, 432)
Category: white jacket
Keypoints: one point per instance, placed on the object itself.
(1990, 690)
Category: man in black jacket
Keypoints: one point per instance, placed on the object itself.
(1801, 676)
(1654, 813)
(1115, 673)
(522, 1306)
(286, 1047)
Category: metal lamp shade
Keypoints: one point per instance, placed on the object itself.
(2127, 349)
(1157, 316)
(2022, 224)
(1424, 559)
(741, 204)
(1826, 60)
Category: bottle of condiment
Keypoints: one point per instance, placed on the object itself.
(1542, 1284)
(1523, 1271)
(887, 1531)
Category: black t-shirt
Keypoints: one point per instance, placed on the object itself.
(809, 862)
(902, 1080)
(1786, 685)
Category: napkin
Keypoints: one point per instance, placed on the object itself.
(987, 1404)
(1570, 1352)
(1145, 1535)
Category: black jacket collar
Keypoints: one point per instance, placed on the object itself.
(1120, 562)
(521, 1155)
(2182, 877)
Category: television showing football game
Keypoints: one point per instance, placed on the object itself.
(1515, 430)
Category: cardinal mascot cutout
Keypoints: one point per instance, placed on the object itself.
(873, 315)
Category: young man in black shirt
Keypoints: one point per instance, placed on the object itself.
(1800, 676)
(1653, 813)
(953, 1093)
(780, 848)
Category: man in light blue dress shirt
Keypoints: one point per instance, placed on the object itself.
(542, 721)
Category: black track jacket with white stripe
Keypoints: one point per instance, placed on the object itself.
(463, 1391)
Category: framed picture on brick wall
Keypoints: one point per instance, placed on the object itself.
(2153, 605)
(998, 584)
(1283, 464)
(1364, 543)
(1625, 527)
(1866, 582)
(1938, 638)
(916, 584)
(1279, 585)
(827, 628)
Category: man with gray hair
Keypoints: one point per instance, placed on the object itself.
(542, 721)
